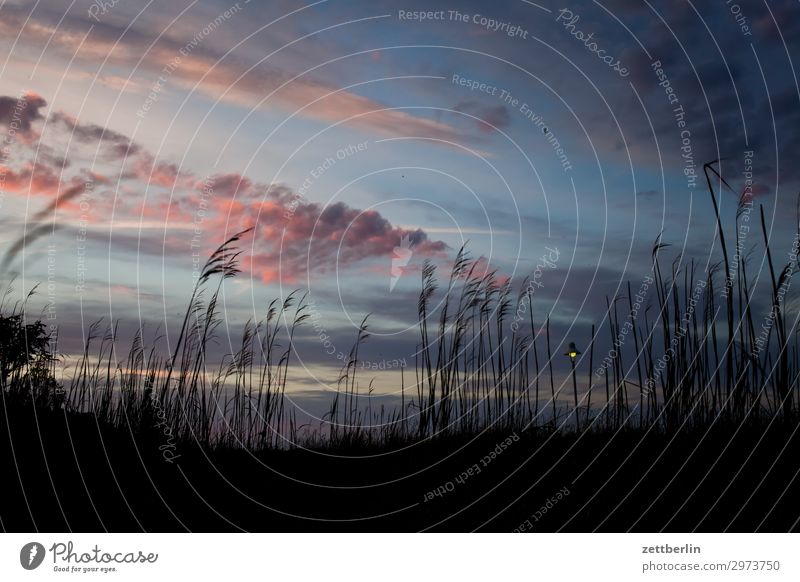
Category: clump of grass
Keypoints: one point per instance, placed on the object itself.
(695, 357)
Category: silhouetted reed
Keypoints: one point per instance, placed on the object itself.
(690, 356)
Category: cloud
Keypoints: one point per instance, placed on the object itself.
(19, 113)
(117, 146)
(295, 238)
(39, 179)
(780, 17)
(218, 75)
(488, 118)
(32, 178)
(159, 173)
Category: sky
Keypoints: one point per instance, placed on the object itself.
(361, 139)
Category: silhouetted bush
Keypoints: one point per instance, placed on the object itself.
(26, 359)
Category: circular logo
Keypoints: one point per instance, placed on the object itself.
(31, 555)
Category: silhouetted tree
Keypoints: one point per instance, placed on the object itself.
(25, 358)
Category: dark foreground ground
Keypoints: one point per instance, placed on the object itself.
(62, 476)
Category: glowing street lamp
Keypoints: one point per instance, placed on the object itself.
(573, 353)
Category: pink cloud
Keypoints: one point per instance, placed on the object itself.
(149, 171)
(294, 238)
(33, 179)
(228, 79)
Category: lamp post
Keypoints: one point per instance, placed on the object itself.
(574, 353)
